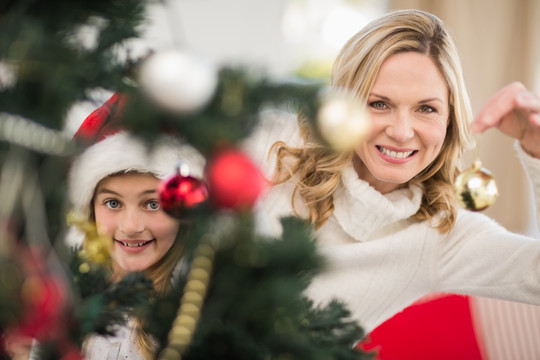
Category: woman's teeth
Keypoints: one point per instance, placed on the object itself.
(134, 244)
(394, 154)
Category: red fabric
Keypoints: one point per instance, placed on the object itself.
(439, 329)
(101, 122)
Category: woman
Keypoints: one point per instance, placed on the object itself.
(385, 213)
(115, 183)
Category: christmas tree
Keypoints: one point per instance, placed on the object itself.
(242, 294)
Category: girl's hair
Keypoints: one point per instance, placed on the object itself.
(160, 273)
(317, 170)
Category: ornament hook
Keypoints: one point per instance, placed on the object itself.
(182, 168)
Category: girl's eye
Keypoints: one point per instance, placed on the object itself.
(152, 205)
(112, 204)
(427, 109)
(379, 105)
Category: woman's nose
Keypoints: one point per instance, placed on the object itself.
(131, 223)
(400, 128)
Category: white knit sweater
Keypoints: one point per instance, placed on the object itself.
(379, 261)
(120, 346)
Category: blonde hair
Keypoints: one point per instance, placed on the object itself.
(317, 170)
(160, 273)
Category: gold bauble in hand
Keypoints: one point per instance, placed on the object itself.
(475, 188)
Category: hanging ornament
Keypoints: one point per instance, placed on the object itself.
(475, 188)
(235, 182)
(342, 120)
(179, 81)
(181, 191)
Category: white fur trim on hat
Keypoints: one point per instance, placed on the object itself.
(123, 152)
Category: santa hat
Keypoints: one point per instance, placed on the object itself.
(117, 151)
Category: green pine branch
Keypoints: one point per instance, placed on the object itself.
(255, 307)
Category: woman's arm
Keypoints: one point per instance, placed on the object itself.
(532, 167)
(481, 258)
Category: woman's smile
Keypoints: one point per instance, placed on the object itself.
(395, 155)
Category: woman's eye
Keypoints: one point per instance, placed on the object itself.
(112, 204)
(152, 205)
(379, 105)
(427, 109)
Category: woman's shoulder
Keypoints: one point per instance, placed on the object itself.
(470, 224)
(273, 125)
(276, 124)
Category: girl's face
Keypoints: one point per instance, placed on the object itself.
(408, 109)
(127, 209)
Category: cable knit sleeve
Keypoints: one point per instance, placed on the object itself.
(532, 167)
(479, 257)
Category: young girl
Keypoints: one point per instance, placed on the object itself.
(385, 213)
(114, 182)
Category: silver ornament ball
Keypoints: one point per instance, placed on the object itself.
(178, 80)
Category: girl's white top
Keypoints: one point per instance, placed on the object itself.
(380, 261)
(120, 346)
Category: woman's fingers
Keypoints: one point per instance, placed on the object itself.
(512, 97)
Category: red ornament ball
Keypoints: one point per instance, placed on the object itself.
(43, 298)
(235, 182)
(180, 192)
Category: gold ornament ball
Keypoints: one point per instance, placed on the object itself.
(97, 249)
(342, 120)
(475, 188)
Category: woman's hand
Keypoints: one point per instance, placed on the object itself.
(515, 111)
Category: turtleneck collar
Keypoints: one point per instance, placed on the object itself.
(361, 210)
